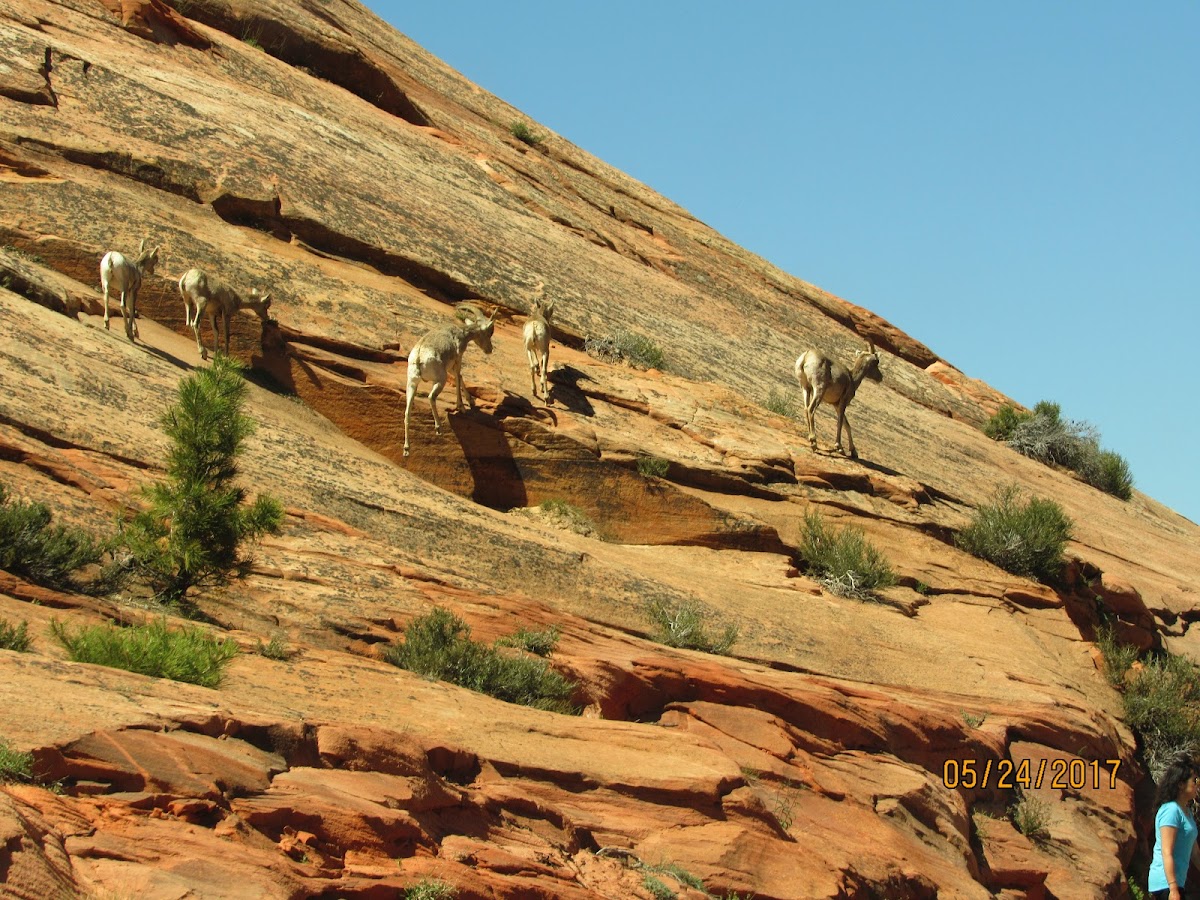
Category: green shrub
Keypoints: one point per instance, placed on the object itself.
(658, 888)
(525, 134)
(569, 515)
(438, 645)
(14, 637)
(1118, 657)
(188, 654)
(275, 649)
(781, 403)
(1046, 436)
(1001, 426)
(843, 561)
(15, 765)
(626, 346)
(539, 643)
(1021, 538)
(1162, 704)
(196, 523)
(1031, 816)
(38, 551)
(682, 625)
(652, 466)
(430, 889)
(1108, 471)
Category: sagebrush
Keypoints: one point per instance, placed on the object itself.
(1044, 435)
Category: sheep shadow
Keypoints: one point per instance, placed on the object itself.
(565, 389)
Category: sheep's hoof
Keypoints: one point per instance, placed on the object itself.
(406, 451)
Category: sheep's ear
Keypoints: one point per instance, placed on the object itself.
(142, 247)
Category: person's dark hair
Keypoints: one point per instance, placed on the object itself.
(1180, 770)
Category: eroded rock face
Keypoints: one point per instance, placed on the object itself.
(316, 154)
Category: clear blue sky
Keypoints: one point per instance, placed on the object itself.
(1016, 185)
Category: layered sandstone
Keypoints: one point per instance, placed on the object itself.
(309, 149)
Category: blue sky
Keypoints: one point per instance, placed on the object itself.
(1016, 185)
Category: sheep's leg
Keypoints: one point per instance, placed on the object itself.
(225, 317)
(544, 365)
(433, 395)
(212, 324)
(810, 414)
(413, 378)
(127, 315)
(455, 368)
(844, 422)
(195, 323)
(533, 370)
(105, 285)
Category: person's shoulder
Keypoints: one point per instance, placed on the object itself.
(1170, 813)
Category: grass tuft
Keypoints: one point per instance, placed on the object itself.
(653, 466)
(843, 561)
(430, 889)
(1031, 816)
(683, 625)
(189, 654)
(626, 346)
(439, 645)
(539, 643)
(14, 637)
(15, 765)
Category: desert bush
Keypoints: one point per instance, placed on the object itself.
(276, 648)
(196, 524)
(430, 889)
(653, 466)
(1001, 425)
(15, 765)
(525, 134)
(1031, 816)
(1117, 657)
(539, 643)
(1109, 471)
(1162, 704)
(38, 551)
(1021, 538)
(439, 645)
(682, 624)
(843, 561)
(14, 637)
(189, 654)
(569, 515)
(1046, 436)
(626, 346)
(657, 888)
(781, 403)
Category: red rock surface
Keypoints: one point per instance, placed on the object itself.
(308, 149)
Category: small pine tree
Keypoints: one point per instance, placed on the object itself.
(192, 531)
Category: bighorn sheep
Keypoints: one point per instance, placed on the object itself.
(202, 294)
(439, 354)
(537, 344)
(125, 275)
(824, 381)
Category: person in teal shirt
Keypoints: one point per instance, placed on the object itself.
(1174, 830)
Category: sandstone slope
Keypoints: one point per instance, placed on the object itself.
(308, 148)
